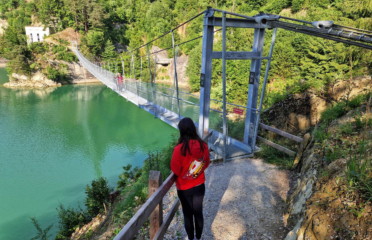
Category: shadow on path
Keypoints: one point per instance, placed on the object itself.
(245, 199)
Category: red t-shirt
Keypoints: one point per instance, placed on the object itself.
(180, 165)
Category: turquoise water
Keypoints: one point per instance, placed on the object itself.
(54, 142)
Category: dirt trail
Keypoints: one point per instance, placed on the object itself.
(245, 199)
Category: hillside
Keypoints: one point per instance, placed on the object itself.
(315, 85)
(109, 29)
(330, 196)
(333, 195)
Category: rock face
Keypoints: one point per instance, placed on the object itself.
(38, 80)
(302, 191)
(299, 112)
(80, 75)
(322, 204)
(3, 62)
(165, 67)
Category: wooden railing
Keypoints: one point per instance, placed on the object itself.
(303, 142)
(152, 208)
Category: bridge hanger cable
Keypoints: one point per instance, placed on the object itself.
(179, 44)
(231, 13)
(166, 33)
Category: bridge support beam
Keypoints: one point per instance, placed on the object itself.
(256, 58)
(254, 80)
(206, 75)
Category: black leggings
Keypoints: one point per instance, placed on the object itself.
(192, 207)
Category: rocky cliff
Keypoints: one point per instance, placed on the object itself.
(77, 75)
(299, 112)
(331, 199)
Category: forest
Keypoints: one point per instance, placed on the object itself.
(299, 62)
(112, 30)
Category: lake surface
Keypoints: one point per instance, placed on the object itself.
(54, 142)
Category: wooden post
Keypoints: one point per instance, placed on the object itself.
(156, 217)
(277, 146)
(301, 149)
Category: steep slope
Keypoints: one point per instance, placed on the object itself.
(333, 194)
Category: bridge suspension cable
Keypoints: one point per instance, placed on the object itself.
(152, 97)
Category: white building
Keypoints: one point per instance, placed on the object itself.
(36, 34)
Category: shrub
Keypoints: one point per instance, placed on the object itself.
(332, 153)
(321, 132)
(38, 48)
(357, 101)
(57, 74)
(334, 112)
(63, 53)
(346, 128)
(98, 196)
(358, 174)
(69, 221)
(136, 193)
(128, 176)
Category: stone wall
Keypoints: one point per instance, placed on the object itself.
(303, 189)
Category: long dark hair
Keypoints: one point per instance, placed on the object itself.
(187, 132)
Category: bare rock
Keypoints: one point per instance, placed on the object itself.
(18, 77)
(349, 88)
(38, 80)
(317, 106)
(3, 26)
(337, 166)
(303, 122)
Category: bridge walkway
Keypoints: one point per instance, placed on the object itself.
(235, 148)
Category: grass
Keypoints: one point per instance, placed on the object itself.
(359, 171)
(273, 156)
(347, 128)
(347, 141)
(335, 112)
(134, 193)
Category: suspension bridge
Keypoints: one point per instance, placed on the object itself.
(170, 104)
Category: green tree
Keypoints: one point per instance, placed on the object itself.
(86, 14)
(8, 5)
(98, 196)
(51, 13)
(109, 52)
(93, 42)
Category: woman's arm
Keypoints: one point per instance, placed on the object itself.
(206, 156)
(175, 163)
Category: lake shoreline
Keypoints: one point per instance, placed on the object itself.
(39, 81)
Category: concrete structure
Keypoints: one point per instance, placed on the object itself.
(36, 34)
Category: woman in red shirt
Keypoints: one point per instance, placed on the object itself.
(189, 160)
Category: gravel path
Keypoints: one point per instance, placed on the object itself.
(245, 199)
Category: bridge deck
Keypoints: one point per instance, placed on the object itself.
(234, 148)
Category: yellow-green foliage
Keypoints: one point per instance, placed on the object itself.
(299, 61)
(350, 140)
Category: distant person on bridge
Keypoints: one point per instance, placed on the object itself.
(189, 160)
(119, 81)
